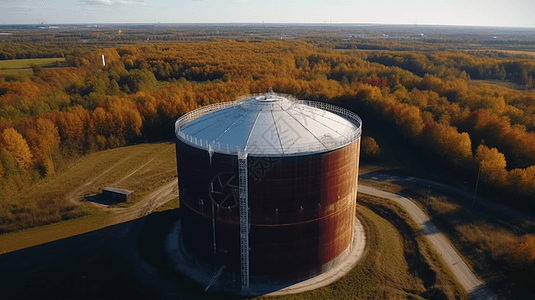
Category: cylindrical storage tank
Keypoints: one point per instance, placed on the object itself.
(302, 170)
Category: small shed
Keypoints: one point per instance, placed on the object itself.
(120, 195)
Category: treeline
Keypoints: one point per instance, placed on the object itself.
(445, 64)
(47, 118)
(41, 49)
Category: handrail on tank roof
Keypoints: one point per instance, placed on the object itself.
(326, 145)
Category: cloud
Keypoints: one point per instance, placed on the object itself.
(110, 2)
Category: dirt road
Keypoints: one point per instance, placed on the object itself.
(148, 204)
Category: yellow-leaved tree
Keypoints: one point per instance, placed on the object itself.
(17, 147)
(48, 142)
(492, 164)
(43, 140)
(370, 148)
(525, 252)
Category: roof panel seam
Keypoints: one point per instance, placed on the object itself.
(325, 125)
(304, 127)
(212, 115)
(313, 110)
(226, 130)
(252, 128)
(210, 124)
(277, 130)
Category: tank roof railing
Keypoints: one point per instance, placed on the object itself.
(314, 147)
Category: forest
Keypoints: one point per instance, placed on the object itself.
(469, 111)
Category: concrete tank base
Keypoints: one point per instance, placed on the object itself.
(229, 282)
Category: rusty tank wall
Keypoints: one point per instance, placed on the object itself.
(302, 210)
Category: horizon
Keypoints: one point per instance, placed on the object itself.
(47, 25)
(474, 13)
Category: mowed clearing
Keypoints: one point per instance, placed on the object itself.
(26, 63)
(147, 169)
(518, 52)
(16, 67)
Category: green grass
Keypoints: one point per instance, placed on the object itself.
(397, 264)
(158, 166)
(58, 198)
(11, 72)
(35, 236)
(25, 63)
(109, 168)
(500, 83)
(170, 205)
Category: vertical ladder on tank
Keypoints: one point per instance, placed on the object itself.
(244, 219)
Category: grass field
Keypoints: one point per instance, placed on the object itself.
(518, 52)
(45, 234)
(11, 72)
(511, 52)
(501, 83)
(141, 168)
(25, 63)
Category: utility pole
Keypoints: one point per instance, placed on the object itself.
(477, 182)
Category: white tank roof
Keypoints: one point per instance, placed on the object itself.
(269, 125)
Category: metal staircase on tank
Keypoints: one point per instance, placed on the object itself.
(244, 219)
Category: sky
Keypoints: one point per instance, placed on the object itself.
(508, 13)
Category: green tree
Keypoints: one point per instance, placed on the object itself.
(36, 69)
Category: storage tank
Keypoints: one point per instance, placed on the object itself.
(268, 185)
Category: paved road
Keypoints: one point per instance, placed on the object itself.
(465, 276)
(466, 194)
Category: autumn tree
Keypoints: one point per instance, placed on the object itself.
(409, 118)
(521, 181)
(370, 148)
(492, 164)
(525, 252)
(43, 141)
(447, 142)
(17, 147)
(37, 69)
